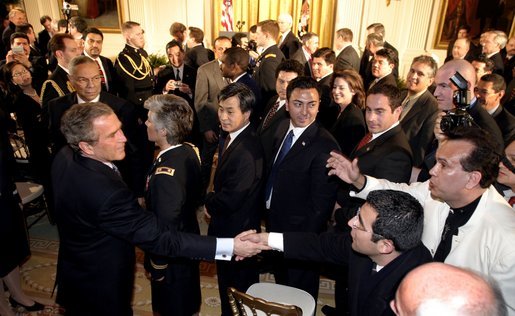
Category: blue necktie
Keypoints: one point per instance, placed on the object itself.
(282, 153)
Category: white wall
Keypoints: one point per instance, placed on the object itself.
(410, 24)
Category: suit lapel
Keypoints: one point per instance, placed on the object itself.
(379, 140)
(303, 142)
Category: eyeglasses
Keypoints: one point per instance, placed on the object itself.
(356, 223)
(84, 81)
(20, 73)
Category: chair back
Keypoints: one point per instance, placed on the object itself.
(242, 303)
(284, 294)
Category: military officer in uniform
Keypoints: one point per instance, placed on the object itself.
(137, 78)
(173, 193)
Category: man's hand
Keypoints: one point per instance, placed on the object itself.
(261, 238)
(346, 170)
(247, 248)
(439, 135)
(184, 88)
(211, 136)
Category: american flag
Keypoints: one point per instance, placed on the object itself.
(227, 15)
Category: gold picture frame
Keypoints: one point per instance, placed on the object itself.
(106, 15)
(454, 13)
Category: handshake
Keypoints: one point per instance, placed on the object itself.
(249, 243)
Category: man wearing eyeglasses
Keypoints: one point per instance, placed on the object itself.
(86, 79)
(468, 223)
(383, 245)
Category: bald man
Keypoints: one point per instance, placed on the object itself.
(438, 288)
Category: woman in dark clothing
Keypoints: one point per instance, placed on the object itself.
(13, 233)
(349, 94)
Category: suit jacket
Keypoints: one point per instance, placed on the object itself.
(267, 134)
(347, 59)
(506, 123)
(173, 194)
(369, 293)
(303, 194)
(209, 83)
(349, 128)
(386, 157)
(301, 58)
(418, 125)
(395, 70)
(99, 222)
(257, 111)
(386, 80)
(484, 244)
(56, 86)
(484, 120)
(188, 76)
(264, 73)
(236, 202)
(499, 63)
(110, 74)
(196, 56)
(290, 45)
(43, 39)
(328, 110)
(508, 74)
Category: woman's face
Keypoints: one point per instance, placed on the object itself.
(342, 94)
(21, 76)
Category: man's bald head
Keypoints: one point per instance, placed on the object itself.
(441, 289)
(445, 89)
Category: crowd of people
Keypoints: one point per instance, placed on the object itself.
(343, 161)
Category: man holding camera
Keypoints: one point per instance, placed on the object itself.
(467, 222)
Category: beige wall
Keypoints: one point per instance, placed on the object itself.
(410, 24)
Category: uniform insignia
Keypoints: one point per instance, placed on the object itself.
(195, 148)
(270, 55)
(165, 170)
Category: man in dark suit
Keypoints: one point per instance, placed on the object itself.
(288, 43)
(17, 16)
(383, 245)
(493, 42)
(45, 35)
(235, 62)
(303, 55)
(275, 111)
(196, 53)
(419, 107)
(489, 92)
(379, 29)
(347, 57)
(64, 48)
(236, 201)
(299, 195)
(93, 40)
(374, 42)
(509, 61)
(179, 79)
(383, 64)
(322, 69)
(461, 50)
(86, 81)
(173, 193)
(100, 221)
(264, 73)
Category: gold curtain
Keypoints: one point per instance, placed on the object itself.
(253, 11)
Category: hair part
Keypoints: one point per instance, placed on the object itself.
(245, 96)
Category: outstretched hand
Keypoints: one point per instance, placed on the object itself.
(246, 245)
(345, 169)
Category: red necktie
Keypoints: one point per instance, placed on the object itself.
(364, 141)
(103, 78)
(512, 200)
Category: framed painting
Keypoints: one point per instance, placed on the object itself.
(479, 15)
(105, 15)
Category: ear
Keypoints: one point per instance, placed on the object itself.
(59, 53)
(86, 148)
(246, 115)
(393, 307)
(474, 179)
(385, 246)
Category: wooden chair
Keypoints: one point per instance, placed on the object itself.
(242, 303)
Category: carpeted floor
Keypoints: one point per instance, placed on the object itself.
(38, 276)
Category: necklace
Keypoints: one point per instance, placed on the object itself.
(32, 95)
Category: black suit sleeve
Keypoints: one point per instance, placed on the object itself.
(326, 247)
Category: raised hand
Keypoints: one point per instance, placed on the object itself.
(345, 169)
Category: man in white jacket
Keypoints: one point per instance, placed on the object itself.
(467, 222)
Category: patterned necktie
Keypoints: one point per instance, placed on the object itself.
(364, 141)
(282, 153)
(270, 114)
(102, 76)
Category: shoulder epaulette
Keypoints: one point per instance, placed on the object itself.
(195, 148)
(165, 170)
(54, 85)
(270, 55)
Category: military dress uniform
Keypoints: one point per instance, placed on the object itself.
(173, 193)
(136, 85)
(264, 73)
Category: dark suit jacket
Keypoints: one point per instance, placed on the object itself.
(386, 157)
(99, 223)
(303, 194)
(110, 74)
(388, 79)
(499, 63)
(349, 128)
(43, 39)
(369, 293)
(236, 202)
(264, 73)
(290, 45)
(173, 194)
(56, 86)
(188, 76)
(418, 125)
(328, 110)
(268, 134)
(196, 56)
(487, 123)
(257, 111)
(506, 123)
(347, 59)
(301, 58)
